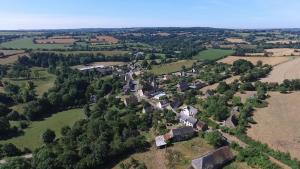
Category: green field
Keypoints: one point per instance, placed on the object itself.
(27, 43)
(171, 67)
(43, 84)
(213, 54)
(32, 135)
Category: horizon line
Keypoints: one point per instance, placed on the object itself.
(145, 27)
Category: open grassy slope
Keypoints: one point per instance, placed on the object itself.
(213, 54)
(171, 67)
(32, 135)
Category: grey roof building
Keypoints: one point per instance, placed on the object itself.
(213, 160)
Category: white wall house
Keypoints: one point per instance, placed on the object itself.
(189, 111)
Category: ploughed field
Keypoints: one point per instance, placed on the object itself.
(278, 124)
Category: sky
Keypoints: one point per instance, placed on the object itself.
(65, 14)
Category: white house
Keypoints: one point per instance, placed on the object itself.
(160, 95)
(189, 111)
(187, 120)
(160, 141)
(162, 104)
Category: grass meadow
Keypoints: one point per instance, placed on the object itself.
(32, 135)
(213, 54)
(171, 67)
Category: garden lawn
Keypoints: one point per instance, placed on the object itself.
(171, 67)
(213, 54)
(32, 135)
(27, 43)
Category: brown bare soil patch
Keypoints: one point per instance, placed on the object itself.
(283, 52)
(287, 70)
(266, 60)
(104, 39)
(278, 124)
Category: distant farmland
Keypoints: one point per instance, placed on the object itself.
(213, 54)
(27, 43)
(106, 53)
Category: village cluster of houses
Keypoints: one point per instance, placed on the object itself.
(186, 115)
(191, 126)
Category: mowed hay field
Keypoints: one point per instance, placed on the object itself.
(283, 52)
(27, 43)
(266, 60)
(104, 39)
(278, 124)
(56, 41)
(11, 59)
(287, 70)
(213, 54)
(171, 67)
(32, 135)
(11, 52)
(235, 40)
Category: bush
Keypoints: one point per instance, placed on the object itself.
(215, 138)
(48, 136)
